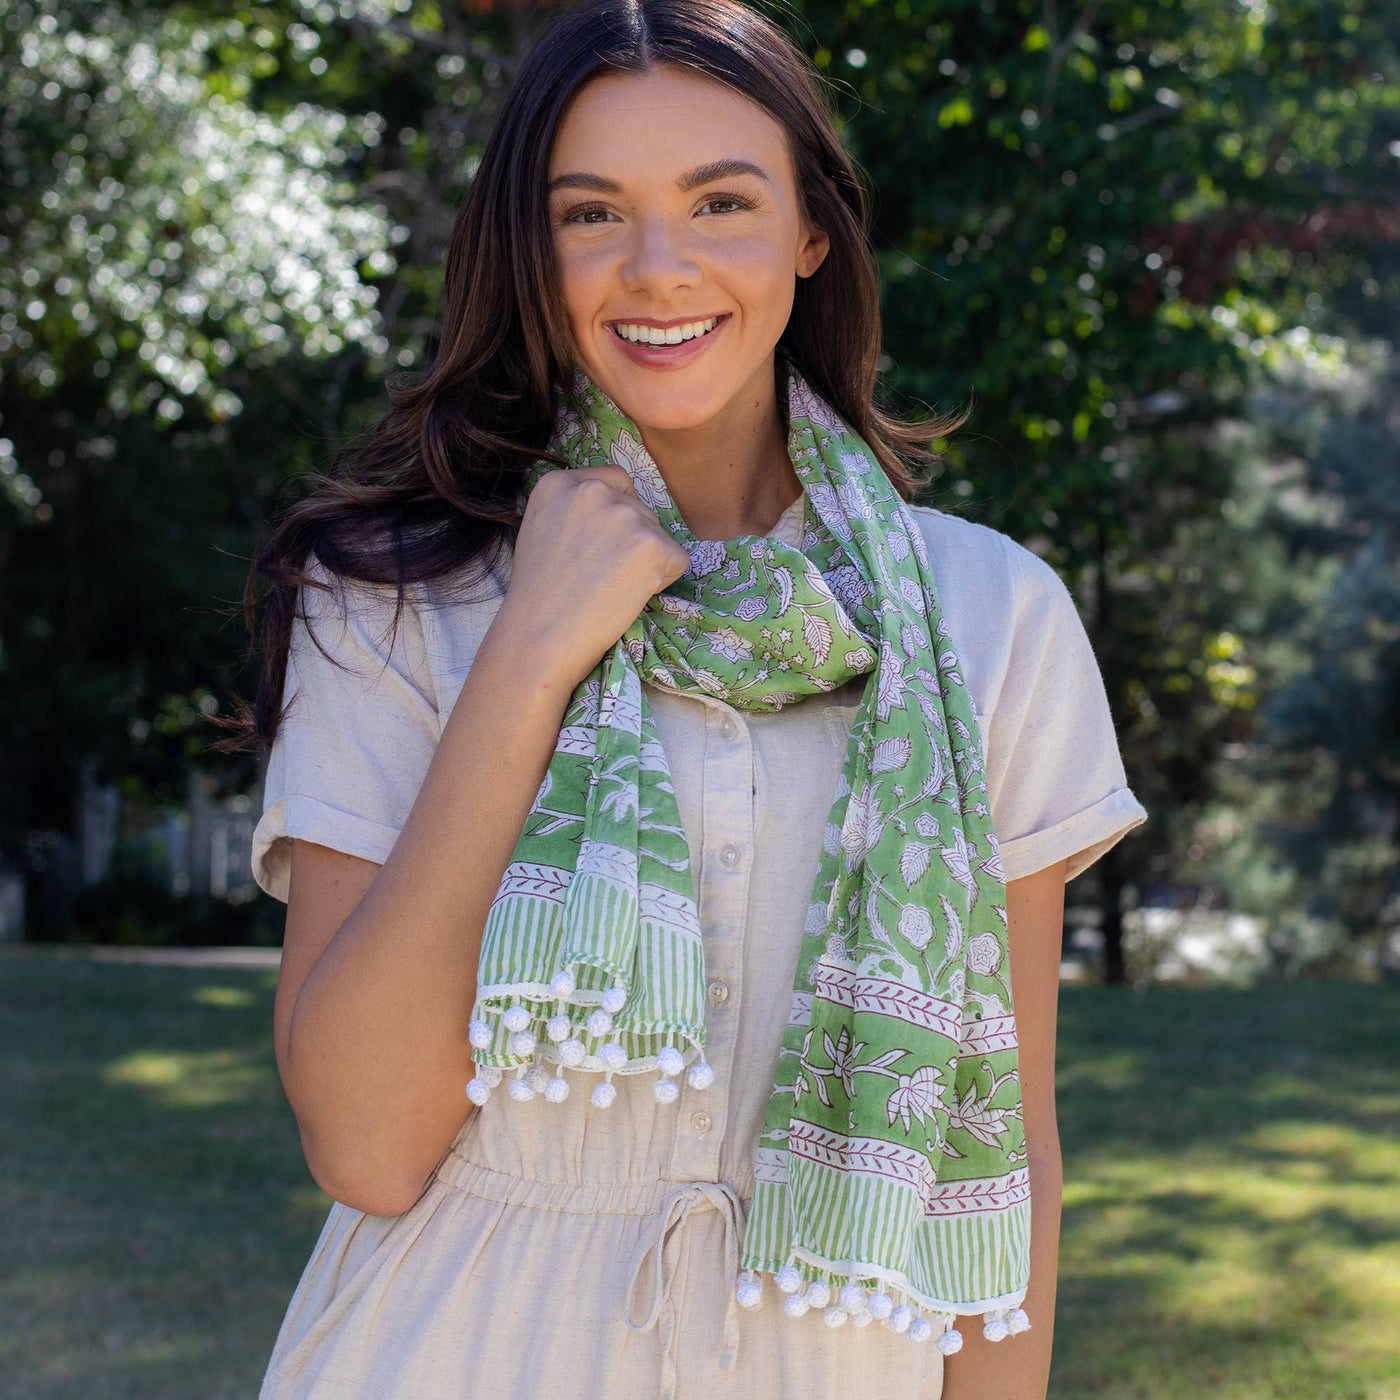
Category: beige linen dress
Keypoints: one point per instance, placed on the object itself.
(566, 1252)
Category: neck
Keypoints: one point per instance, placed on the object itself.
(731, 476)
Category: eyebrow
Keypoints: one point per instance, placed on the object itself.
(701, 175)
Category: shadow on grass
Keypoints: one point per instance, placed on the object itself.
(159, 1209)
(1231, 1223)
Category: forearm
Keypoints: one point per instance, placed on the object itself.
(377, 1051)
(1018, 1367)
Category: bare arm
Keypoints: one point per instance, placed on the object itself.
(379, 963)
(1018, 1367)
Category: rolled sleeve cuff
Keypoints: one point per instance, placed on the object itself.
(309, 819)
(1080, 839)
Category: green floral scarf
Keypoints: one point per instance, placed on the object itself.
(891, 1177)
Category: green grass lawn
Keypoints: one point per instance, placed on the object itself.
(1231, 1219)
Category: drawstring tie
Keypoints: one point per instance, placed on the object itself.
(673, 1212)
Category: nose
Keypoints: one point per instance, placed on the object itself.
(658, 257)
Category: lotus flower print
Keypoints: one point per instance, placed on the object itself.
(915, 1097)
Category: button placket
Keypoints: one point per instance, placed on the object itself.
(721, 876)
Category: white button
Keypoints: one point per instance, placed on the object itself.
(717, 992)
(701, 1122)
(729, 854)
(727, 728)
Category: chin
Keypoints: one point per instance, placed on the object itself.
(666, 407)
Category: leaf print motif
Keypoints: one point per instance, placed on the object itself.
(913, 862)
(913, 594)
(784, 581)
(915, 1097)
(958, 859)
(647, 480)
(909, 641)
(858, 464)
(899, 545)
(953, 935)
(816, 632)
(891, 753)
(936, 781)
(992, 865)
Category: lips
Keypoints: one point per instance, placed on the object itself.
(670, 354)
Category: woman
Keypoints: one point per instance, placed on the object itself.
(664, 816)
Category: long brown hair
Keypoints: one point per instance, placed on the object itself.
(431, 489)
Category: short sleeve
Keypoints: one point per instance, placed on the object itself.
(352, 752)
(1055, 776)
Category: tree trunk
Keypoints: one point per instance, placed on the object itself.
(1111, 916)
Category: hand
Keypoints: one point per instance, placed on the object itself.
(588, 556)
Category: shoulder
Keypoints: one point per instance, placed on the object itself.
(985, 575)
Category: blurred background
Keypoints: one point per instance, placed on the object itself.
(1155, 246)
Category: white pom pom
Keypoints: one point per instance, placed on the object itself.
(749, 1293)
(562, 984)
(834, 1316)
(537, 1077)
(520, 1091)
(665, 1091)
(481, 1035)
(522, 1044)
(613, 1055)
(920, 1330)
(900, 1318)
(478, 1091)
(517, 1018)
(995, 1329)
(599, 1023)
(788, 1279)
(1019, 1321)
(492, 1074)
(701, 1076)
(669, 1060)
(557, 1090)
(881, 1305)
(852, 1298)
(819, 1294)
(950, 1341)
(571, 1052)
(557, 1028)
(603, 1094)
(795, 1305)
(614, 999)
(861, 1319)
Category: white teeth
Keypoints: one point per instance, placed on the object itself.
(653, 335)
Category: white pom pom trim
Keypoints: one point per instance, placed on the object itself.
(599, 1023)
(788, 1279)
(899, 1320)
(852, 1298)
(950, 1341)
(834, 1315)
(881, 1305)
(516, 1019)
(557, 1028)
(665, 1091)
(481, 1035)
(562, 984)
(669, 1060)
(571, 1052)
(557, 1090)
(614, 999)
(522, 1044)
(819, 1294)
(700, 1075)
(920, 1330)
(749, 1292)
(520, 1091)
(795, 1305)
(603, 1094)
(478, 1091)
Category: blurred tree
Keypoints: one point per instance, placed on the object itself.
(1110, 220)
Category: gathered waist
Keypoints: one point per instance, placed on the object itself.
(571, 1197)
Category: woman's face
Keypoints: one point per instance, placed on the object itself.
(673, 204)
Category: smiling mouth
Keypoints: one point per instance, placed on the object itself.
(636, 334)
